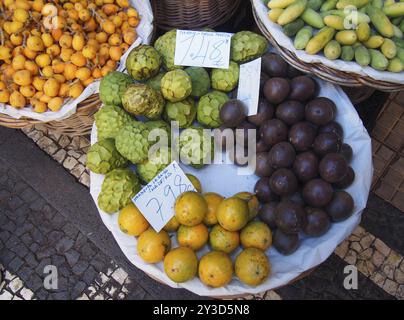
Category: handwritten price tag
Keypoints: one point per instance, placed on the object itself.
(203, 49)
(249, 85)
(156, 200)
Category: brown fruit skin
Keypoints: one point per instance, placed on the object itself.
(333, 167)
(317, 222)
(276, 90)
(282, 155)
(306, 166)
(284, 243)
(283, 182)
(261, 146)
(232, 113)
(263, 167)
(273, 131)
(317, 193)
(302, 135)
(289, 217)
(341, 206)
(347, 152)
(295, 197)
(274, 66)
(290, 112)
(265, 112)
(303, 88)
(347, 180)
(320, 111)
(267, 214)
(326, 143)
(332, 127)
(264, 192)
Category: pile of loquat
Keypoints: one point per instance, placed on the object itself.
(52, 50)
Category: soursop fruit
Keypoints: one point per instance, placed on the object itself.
(163, 129)
(143, 62)
(132, 142)
(226, 79)
(103, 157)
(247, 46)
(183, 111)
(196, 147)
(176, 85)
(200, 81)
(154, 165)
(208, 110)
(113, 86)
(155, 82)
(110, 120)
(165, 45)
(141, 100)
(118, 189)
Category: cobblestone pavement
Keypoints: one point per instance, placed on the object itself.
(380, 263)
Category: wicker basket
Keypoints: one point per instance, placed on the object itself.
(325, 72)
(193, 14)
(78, 124)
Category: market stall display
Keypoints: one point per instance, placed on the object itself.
(227, 218)
(352, 43)
(53, 55)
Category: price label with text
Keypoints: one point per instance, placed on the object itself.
(203, 49)
(156, 200)
(249, 85)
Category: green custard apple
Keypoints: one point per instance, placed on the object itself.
(154, 165)
(142, 100)
(132, 142)
(226, 79)
(208, 110)
(247, 46)
(113, 86)
(183, 111)
(117, 190)
(143, 62)
(103, 157)
(109, 120)
(200, 81)
(155, 82)
(176, 85)
(165, 45)
(162, 127)
(196, 147)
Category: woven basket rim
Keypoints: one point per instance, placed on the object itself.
(324, 72)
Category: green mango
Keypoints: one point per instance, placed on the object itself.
(377, 60)
(362, 55)
(347, 53)
(312, 18)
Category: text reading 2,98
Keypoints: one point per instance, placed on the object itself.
(202, 49)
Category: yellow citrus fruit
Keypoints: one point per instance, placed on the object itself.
(131, 221)
(213, 200)
(181, 264)
(252, 202)
(215, 269)
(252, 266)
(190, 208)
(195, 182)
(194, 237)
(172, 225)
(256, 234)
(153, 246)
(233, 214)
(222, 240)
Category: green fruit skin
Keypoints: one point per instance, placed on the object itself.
(328, 5)
(397, 32)
(334, 21)
(163, 128)
(247, 46)
(362, 55)
(103, 157)
(183, 111)
(113, 86)
(402, 26)
(226, 79)
(341, 4)
(165, 45)
(346, 37)
(400, 54)
(363, 31)
(293, 27)
(394, 10)
(314, 4)
(397, 21)
(374, 42)
(347, 53)
(176, 85)
(377, 3)
(377, 60)
(389, 49)
(200, 81)
(380, 21)
(395, 65)
(109, 120)
(143, 62)
(312, 18)
(149, 169)
(320, 40)
(155, 82)
(292, 12)
(399, 42)
(332, 50)
(303, 37)
(208, 110)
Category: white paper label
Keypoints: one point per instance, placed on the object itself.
(202, 49)
(249, 85)
(156, 200)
